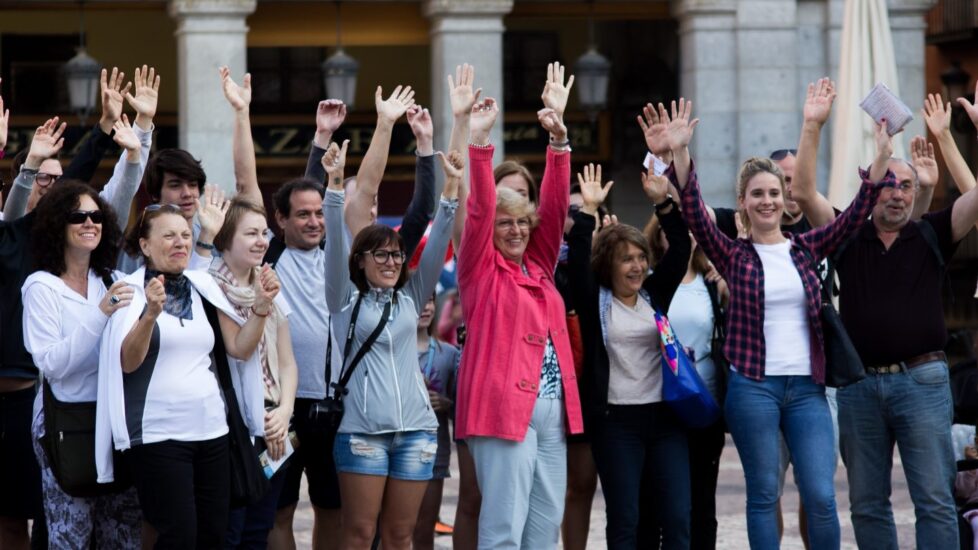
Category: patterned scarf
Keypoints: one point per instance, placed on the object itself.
(242, 298)
(179, 301)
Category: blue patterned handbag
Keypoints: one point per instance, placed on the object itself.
(682, 388)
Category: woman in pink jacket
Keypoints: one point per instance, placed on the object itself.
(517, 393)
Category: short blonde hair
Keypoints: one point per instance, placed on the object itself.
(750, 168)
(514, 204)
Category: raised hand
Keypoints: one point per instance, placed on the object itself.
(679, 128)
(147, 97)
(112, 96)
(424, 132)
(266, 287)
(155, 297)
(654, 130)
(396, 105)
(971, 108)
(555, 92)
(609, 220)
(656, 187)
(924, 161)
(238, 96)
(46, 143)
(553, 123)
(211, 211)
(334, 161)
(454, 166)
(125, 137)
(592, 192)
(937, 115)
(883, 141)
(818, 102)
(4, 123)
(330, 114)
(481, 120)
(460, 92)
(118, 296)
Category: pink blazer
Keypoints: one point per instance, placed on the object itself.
(509, 315)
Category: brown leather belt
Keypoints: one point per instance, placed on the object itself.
(894, 368)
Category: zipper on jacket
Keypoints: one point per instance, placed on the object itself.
(366, 382)
(424, 390)
(397, 386)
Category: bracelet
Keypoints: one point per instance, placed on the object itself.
(555, 143)
(206, 246)
(266, 314)
(665, 204)
(486, 146)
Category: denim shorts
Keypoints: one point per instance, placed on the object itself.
(408, 456)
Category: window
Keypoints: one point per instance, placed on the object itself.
(31, 71)
(286, 80)
(525, 59)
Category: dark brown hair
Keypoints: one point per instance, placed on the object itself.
(145, 225)
(368, 239)
(48, 232)
(173, 161)
(607, 243)
(283, 196)
(237, 210)
(510, 167)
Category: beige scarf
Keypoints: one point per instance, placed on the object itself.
(242, 298)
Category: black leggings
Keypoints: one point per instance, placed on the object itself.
(184, 491)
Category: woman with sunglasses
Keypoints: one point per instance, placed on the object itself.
(243, 241)
(66, 308)
(386, 442)
(159, 399)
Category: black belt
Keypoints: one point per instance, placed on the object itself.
(894, 368)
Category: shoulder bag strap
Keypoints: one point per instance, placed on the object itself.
(345, 378)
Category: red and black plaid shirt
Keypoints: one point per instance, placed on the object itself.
(738, 263)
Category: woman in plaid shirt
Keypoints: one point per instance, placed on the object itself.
(774, 336)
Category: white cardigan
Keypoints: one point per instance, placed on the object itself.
(110, 426)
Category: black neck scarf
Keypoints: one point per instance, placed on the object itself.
(179, 301)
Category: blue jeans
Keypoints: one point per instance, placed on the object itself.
(912, 409)
(248, 526)
(759, 413)
(638, 446)
(408, 456)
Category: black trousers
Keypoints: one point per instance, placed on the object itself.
(705, 448)
(184, 491)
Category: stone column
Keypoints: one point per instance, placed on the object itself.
(908, 27)
(466, 31)
(210, 33)
(708, 60)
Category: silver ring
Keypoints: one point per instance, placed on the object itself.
(114, 299)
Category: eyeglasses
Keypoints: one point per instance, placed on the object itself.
(381, 256)
(780, 154)
(44, 179)
(905, 187)
(522, 223)
(78, 217)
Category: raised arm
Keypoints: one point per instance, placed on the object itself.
(375, 161)
(964, 213)
(330, 114)
(241, 341)
(128, 172)
(422, 204)
(583, 283)
(938, 119)
(243, 146)
(338, 284)
(463, 98)
(46, 143)
(4, 125)
(135, 345)
(480, 206)
(212, 208)
(669, 273)
(99, 140)
(818, 106)
(425, 278)
(925, 164)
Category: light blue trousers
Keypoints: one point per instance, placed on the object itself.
(523, 483)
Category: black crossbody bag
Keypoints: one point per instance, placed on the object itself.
(69, 444)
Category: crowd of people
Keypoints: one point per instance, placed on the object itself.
(167, 377)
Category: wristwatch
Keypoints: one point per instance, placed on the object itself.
(665, 204)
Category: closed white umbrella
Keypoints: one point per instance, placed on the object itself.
(866, 57)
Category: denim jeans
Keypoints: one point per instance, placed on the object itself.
(643, 449)
(912, 409)
(759, 413)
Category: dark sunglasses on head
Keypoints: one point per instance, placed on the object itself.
(781, 153)
(78, 217)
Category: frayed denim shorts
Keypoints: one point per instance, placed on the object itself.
(408, 456)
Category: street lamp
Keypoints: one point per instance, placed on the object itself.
(82, 74)
(340, 70)
(591, 72)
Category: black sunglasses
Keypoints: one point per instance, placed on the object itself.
(78, 217)
(781, 153)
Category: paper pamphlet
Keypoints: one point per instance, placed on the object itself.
(656, 163)
(880, 103)
(270, 466)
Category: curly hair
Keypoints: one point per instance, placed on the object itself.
(52, 220)
(368, 239)
(608, 242)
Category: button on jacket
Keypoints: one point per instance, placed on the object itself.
(508, 315)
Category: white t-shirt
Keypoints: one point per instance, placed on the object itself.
(786, 332)
(635, 363)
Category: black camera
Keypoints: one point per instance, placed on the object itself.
(327, 413)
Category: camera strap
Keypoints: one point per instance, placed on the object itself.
(340, 387)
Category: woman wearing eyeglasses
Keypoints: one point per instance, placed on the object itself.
(386, 442)
(66, 308)
(158, 393)
(243, 241)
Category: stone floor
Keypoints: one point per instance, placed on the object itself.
(730, 509)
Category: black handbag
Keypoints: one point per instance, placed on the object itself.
(842, 363)
(248, 481)
(719, 338)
